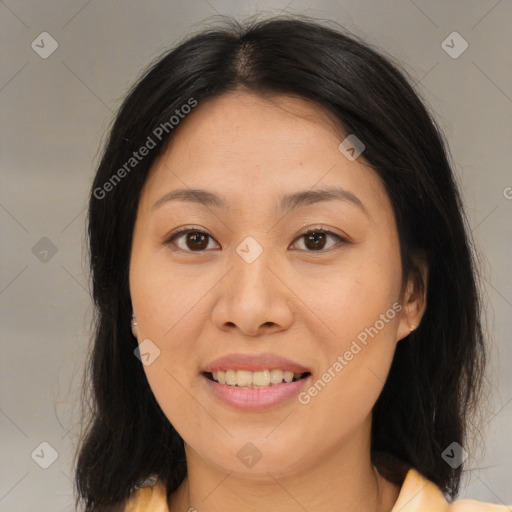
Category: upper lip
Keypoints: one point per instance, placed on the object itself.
(254, 362)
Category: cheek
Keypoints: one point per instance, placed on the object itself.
(356, 295)
(349, 383)
(361, 310)
(161, 316)
(170, 388)
(163, 296)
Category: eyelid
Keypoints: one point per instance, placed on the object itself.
(184, 230)
(342, 239)
(323, 229)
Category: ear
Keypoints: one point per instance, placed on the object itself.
(134, 325)
(414, 300)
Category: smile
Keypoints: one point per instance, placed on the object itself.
(259, 379)
(254, 397)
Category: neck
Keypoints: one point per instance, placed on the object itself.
(341, 481)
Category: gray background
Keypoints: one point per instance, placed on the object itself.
(55, 112)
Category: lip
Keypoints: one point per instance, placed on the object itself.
(254, 362)
(256, 399)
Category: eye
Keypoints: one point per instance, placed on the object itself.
(194, 240)
(315, 239)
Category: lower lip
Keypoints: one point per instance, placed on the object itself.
(255, 399)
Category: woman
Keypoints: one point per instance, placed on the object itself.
(287, 310)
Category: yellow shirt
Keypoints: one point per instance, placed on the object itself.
(417, 494)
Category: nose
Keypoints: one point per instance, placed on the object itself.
(253, 297)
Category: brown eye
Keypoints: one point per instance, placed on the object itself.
(192, 240)
(316, 239)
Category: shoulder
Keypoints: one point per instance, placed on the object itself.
(148, 498)
(419, 494)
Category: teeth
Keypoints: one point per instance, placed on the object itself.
(288, 376)
(259, 379)
(243, 378)
(231, 378)
(276, 376)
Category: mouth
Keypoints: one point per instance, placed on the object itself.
(255, 382)
(245, 379)
(255, 391)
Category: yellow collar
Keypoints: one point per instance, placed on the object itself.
(416, 495)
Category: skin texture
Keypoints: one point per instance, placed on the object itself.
(296, 302)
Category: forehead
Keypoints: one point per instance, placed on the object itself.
(250, 149)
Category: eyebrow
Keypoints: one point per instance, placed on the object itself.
(286, 203)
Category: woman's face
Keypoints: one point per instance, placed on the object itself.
(253, 288)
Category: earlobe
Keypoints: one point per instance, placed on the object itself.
(411, 328)
(415, 300)
(134, 325)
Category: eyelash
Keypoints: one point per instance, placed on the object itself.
(341, 240)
